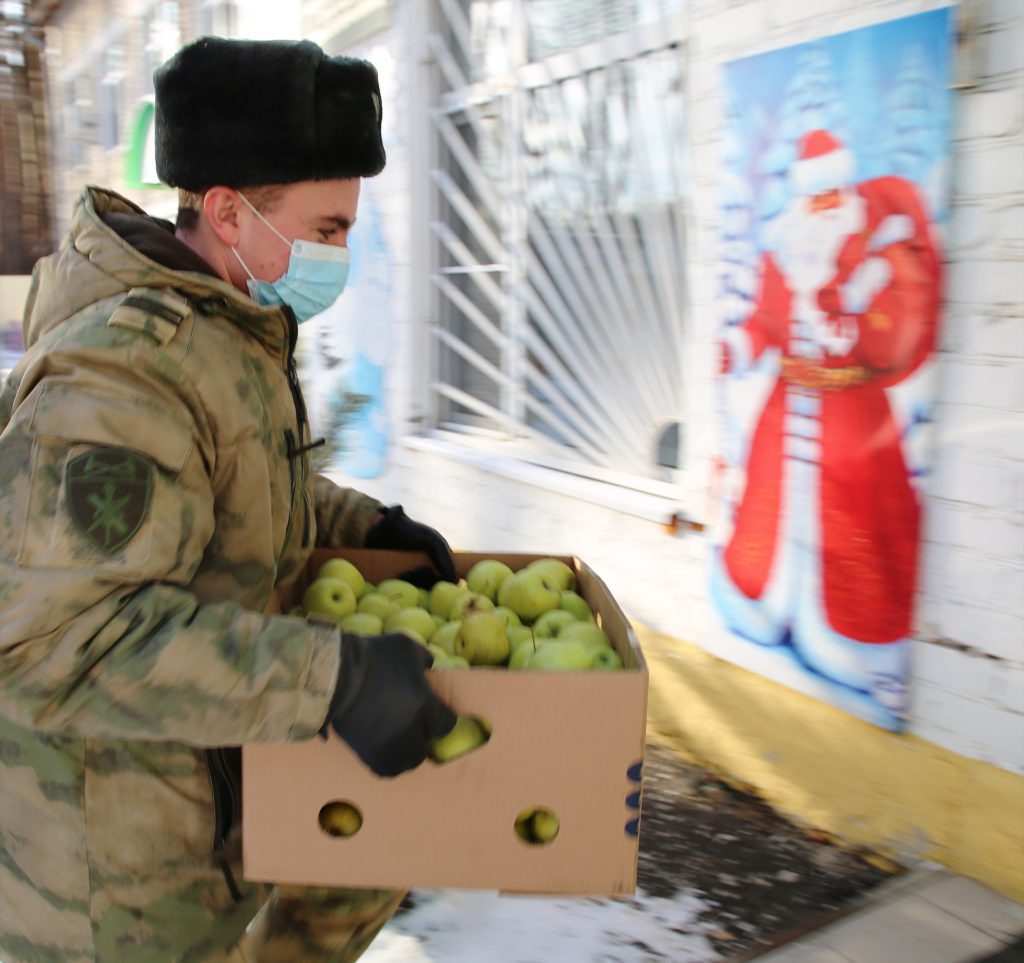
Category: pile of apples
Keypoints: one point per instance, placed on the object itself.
(529, 619)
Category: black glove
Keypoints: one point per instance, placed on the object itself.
(382, 705)
(396, 530)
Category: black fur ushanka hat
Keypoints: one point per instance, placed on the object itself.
(251, 112)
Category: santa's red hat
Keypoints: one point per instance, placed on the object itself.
(824, 164)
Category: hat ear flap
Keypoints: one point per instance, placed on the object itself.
(348, 119)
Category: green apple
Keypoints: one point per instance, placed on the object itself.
(465, 737)
(558, 656)
(424, 599)
(455, 597)
(374, 603)
(524, 826)
(482, 639)
(330, 597)
(544, 825)
(605, 658)
(536, 826)
(519, 633)
(508, 616)
(551, 623)
(587, 632)
(343, 570)
(361, 623)
(444, 659)
(577, 604)
(469, 603)
(415, 618)
(439, 620)
(486, 576)
(368, 587)
(398, 590)
(556, 570)
(444, 637)
(340, 819)
(441, 597)
(413, 634)
(529, 594)
(522, 652)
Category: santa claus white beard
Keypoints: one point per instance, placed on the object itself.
(810, 242)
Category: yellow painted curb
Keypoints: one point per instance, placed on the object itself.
(898, 795)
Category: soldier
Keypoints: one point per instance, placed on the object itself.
(155, 490)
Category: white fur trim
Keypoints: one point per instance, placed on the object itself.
(893, 229)
(868, 279)
(827, 172)
(740, 353)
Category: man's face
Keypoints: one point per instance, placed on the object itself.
(321, 211)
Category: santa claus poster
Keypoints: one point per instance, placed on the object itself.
(832, 209)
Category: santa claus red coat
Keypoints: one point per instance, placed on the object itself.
(882, 305)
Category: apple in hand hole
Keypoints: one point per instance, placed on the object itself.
(340, 818)
(537, 826)
(330, 597)
(467, 735)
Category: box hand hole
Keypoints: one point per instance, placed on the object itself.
(340, 818)
(537, 826)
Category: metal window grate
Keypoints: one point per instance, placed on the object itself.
(560, 227)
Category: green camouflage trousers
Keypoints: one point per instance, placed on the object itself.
(314, 925)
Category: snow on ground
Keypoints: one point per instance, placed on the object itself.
(462, 926)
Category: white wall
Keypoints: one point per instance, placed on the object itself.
(968, 686)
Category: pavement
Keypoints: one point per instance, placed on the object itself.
(722, 878)
(927, 915)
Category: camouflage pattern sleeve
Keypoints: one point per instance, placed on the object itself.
(107, 514)
(343, 515)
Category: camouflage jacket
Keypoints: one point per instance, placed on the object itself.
(154, 491)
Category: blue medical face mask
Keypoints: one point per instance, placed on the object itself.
(314, 280)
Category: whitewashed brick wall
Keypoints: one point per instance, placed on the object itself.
(969, 661)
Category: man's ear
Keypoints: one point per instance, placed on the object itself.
(221, 209)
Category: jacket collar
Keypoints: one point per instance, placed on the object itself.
(94, 238)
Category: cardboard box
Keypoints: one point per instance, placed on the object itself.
(571, 742)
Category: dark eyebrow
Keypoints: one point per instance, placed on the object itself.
(343, 223)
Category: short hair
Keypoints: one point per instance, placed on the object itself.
(190, 203)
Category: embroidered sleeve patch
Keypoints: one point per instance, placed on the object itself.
(108, 493)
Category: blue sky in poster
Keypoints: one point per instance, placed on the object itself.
(883, 89)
